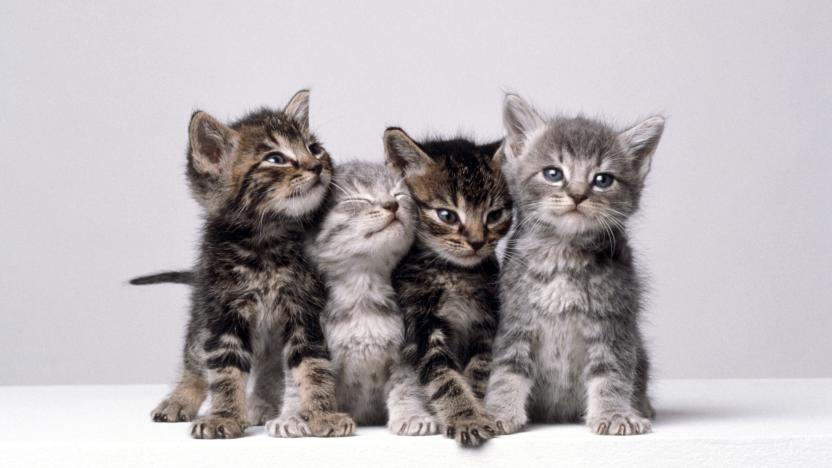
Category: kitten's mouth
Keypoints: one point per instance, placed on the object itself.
(394, 220)
(301, 191)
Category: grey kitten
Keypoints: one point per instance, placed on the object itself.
(568, 344)
(366, 232)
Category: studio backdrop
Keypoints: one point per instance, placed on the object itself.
(95, 99)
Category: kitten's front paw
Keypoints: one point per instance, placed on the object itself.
(288, 426)
(628, 423)
(470, 431)
(217, 427)
(509, 420)
(174, 411)
(422, 424)
(328, 424)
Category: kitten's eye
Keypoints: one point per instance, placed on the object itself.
(447, 216)
(602, 180)
(552, 174)
(494, 216)
(400, 195)
(315, 148)
(275, 158)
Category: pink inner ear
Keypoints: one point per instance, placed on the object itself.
(214, 156)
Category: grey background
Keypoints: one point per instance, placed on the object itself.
(95, 99)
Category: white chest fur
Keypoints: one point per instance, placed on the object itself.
(364, 337)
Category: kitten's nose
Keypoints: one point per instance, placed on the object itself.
(317, 168)
(476, 245)
(393, 206)
(578, 198)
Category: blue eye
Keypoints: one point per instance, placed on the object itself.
(602, 180)
(552, 174)
(275, 158)
(447, 216)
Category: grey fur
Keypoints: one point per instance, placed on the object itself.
(356, 250)
(568, 344)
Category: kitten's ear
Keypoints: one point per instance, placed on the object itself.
(403, 154)
(641, 141)
(298, 108)
(520, 120)
(211, 142)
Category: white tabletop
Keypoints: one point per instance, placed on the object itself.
(700, 423)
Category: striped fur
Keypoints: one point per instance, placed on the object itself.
(256, 298)
(447, 283)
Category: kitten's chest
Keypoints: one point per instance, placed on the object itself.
(562, 293)
(458, 308)
(558, 282)
(361, 318)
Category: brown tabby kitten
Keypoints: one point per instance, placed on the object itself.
(256, 298)
(447, 284)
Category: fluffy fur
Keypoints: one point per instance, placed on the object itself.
(569, 345)
(447, 283)
(362, 238)
(257, 298)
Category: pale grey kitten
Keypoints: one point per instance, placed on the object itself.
(568, 345)
(368, 229)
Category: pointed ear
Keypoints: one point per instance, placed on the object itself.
(520, 120)
(298, 108)
(403, 154)
(211, 142)
(641, 141)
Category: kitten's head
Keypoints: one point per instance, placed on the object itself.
(267, 163)
(371, 217)
(575, 175)
(461, 198)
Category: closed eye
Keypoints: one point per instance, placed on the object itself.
(355, 200)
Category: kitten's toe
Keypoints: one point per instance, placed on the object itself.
(508, 422)
(471, 431)
(170, 410)
(329, 424)
(217, 427)
(414, 425)
(628, 423)
(287, 426)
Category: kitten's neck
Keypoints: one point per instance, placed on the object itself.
(364, 266)
(429, 256)
(610, 241)
(233, 227)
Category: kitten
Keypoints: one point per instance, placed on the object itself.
(365, 233)
(447, 283)
(363, 236)
(257, 298)
(569, 345)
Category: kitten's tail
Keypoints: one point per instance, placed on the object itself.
(180, 277)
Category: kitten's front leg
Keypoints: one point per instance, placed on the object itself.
(511, 377)
(479, 348)
(228, 357)
(308, 364)
(289, 422)
(406, 406)
(610, 388)
(460, 412)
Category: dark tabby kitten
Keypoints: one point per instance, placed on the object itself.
(256, 300)
(447, 283)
